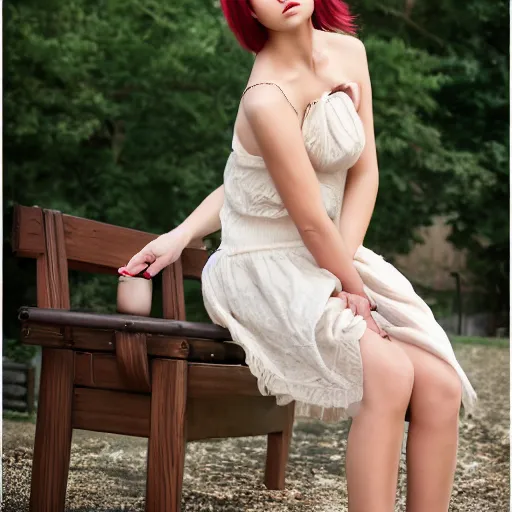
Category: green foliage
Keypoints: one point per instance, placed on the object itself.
(470, 43)
(116, 111)
(476, 340)
(18, 353)
(418, 172)
(122, 111)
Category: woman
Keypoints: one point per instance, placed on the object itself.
(299, 190)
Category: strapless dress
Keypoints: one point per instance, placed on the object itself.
(264, 285)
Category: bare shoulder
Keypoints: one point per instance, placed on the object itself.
(347, 43)
(265, 100)
(351, 50)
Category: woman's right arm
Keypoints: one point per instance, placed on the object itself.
(278, 135)
(205, 219)
(167, 248)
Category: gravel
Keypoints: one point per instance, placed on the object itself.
(108, 471)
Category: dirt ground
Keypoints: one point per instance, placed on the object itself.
(108, 472)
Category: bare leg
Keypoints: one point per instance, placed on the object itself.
(376, 433)
(433, 431)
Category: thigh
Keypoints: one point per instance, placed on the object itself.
(388, 373)
(436, 383)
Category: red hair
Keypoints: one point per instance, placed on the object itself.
(329, 15)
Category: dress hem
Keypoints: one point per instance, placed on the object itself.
(318, 402)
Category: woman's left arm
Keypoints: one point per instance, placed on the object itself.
(363, 178)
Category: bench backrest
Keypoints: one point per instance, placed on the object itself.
(60, 242)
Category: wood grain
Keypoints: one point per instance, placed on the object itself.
(102, 371)
(132, 360)
(103, 340)
(102, 246)
(234, 416)
(219, 379)
(52, 443)
(123, 322)
(129, 413)
(53, 432)
(278, 446)
(28, 232)
(167, 440)
(172, 289)
(110, 411)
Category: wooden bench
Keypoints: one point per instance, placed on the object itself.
(169, 380)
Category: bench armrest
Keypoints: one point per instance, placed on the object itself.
(127, 323)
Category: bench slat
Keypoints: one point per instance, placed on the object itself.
(102, 340)
(92, 245)
(109, 411)
(207, 418)
(97, 370)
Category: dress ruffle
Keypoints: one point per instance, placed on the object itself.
(302, 346)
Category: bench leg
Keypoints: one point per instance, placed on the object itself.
(52, 447)
(167, 439)
(278, 445)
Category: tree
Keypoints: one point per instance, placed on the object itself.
(471, 43)
(122, 111)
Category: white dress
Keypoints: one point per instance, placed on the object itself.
(264, 285)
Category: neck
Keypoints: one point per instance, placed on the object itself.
(293, 48)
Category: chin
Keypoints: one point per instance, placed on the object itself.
(293, 22)
(274, 19)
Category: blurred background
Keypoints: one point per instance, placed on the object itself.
(122, 111)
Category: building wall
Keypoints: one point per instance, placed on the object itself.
(431, 263)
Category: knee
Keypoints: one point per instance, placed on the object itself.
(442, 395)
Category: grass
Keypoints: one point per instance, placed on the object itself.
(477, 340)
(24, 417)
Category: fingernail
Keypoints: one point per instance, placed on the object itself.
(147, 275)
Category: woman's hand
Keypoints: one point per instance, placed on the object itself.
(360, 306)
(159, 253)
